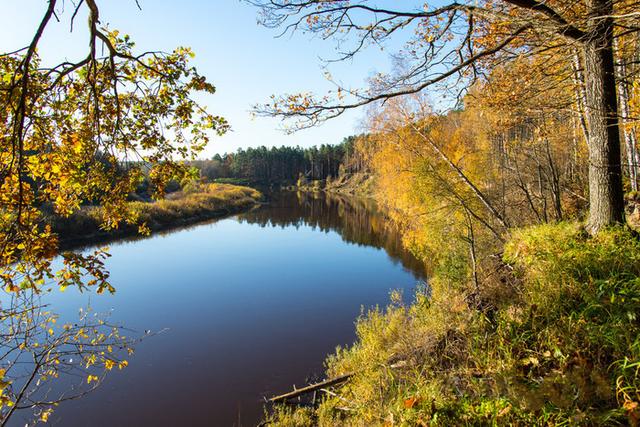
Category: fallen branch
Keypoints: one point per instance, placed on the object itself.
(308, 389)
(322, 385)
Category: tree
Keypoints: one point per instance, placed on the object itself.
(72, 133)
(458, 44)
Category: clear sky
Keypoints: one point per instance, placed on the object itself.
(245, 61)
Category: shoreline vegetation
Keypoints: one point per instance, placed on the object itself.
(195, 203)
(359, 184)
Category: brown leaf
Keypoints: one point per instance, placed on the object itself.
(411, 402)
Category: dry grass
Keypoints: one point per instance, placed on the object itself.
(196, 203)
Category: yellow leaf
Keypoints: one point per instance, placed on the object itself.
(44, 417)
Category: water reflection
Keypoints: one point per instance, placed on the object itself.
(357, 220)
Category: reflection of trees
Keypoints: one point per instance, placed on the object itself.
(356, 220)
(46, 360)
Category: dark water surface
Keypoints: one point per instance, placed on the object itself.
(251, 305)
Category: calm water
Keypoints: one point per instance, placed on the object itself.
(251, 305)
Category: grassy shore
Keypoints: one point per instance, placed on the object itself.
(201, 202)
(356, 184)
(553, 339)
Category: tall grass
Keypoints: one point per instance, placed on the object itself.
(194, 203)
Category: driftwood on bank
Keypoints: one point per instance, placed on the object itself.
(321, 386)
(310, 388)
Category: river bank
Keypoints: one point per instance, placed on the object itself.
(207, 201)
(550, 339)
(354, 184)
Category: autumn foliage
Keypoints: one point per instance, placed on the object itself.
(77, 133)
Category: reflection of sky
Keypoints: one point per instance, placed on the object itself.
(228, 259)
(244, 61)
(249, 310)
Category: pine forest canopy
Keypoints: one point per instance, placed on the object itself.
(286, 164)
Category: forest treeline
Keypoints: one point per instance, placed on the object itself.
(284, 164)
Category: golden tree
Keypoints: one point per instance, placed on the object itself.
(73, 133)
(459, 43)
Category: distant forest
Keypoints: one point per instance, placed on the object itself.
(284, 164)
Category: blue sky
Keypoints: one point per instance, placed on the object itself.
(245, 61)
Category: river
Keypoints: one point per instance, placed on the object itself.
(248, 306)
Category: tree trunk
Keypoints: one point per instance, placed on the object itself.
(581, 94)
(629, 133)
(555, 183)
(606, 199)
